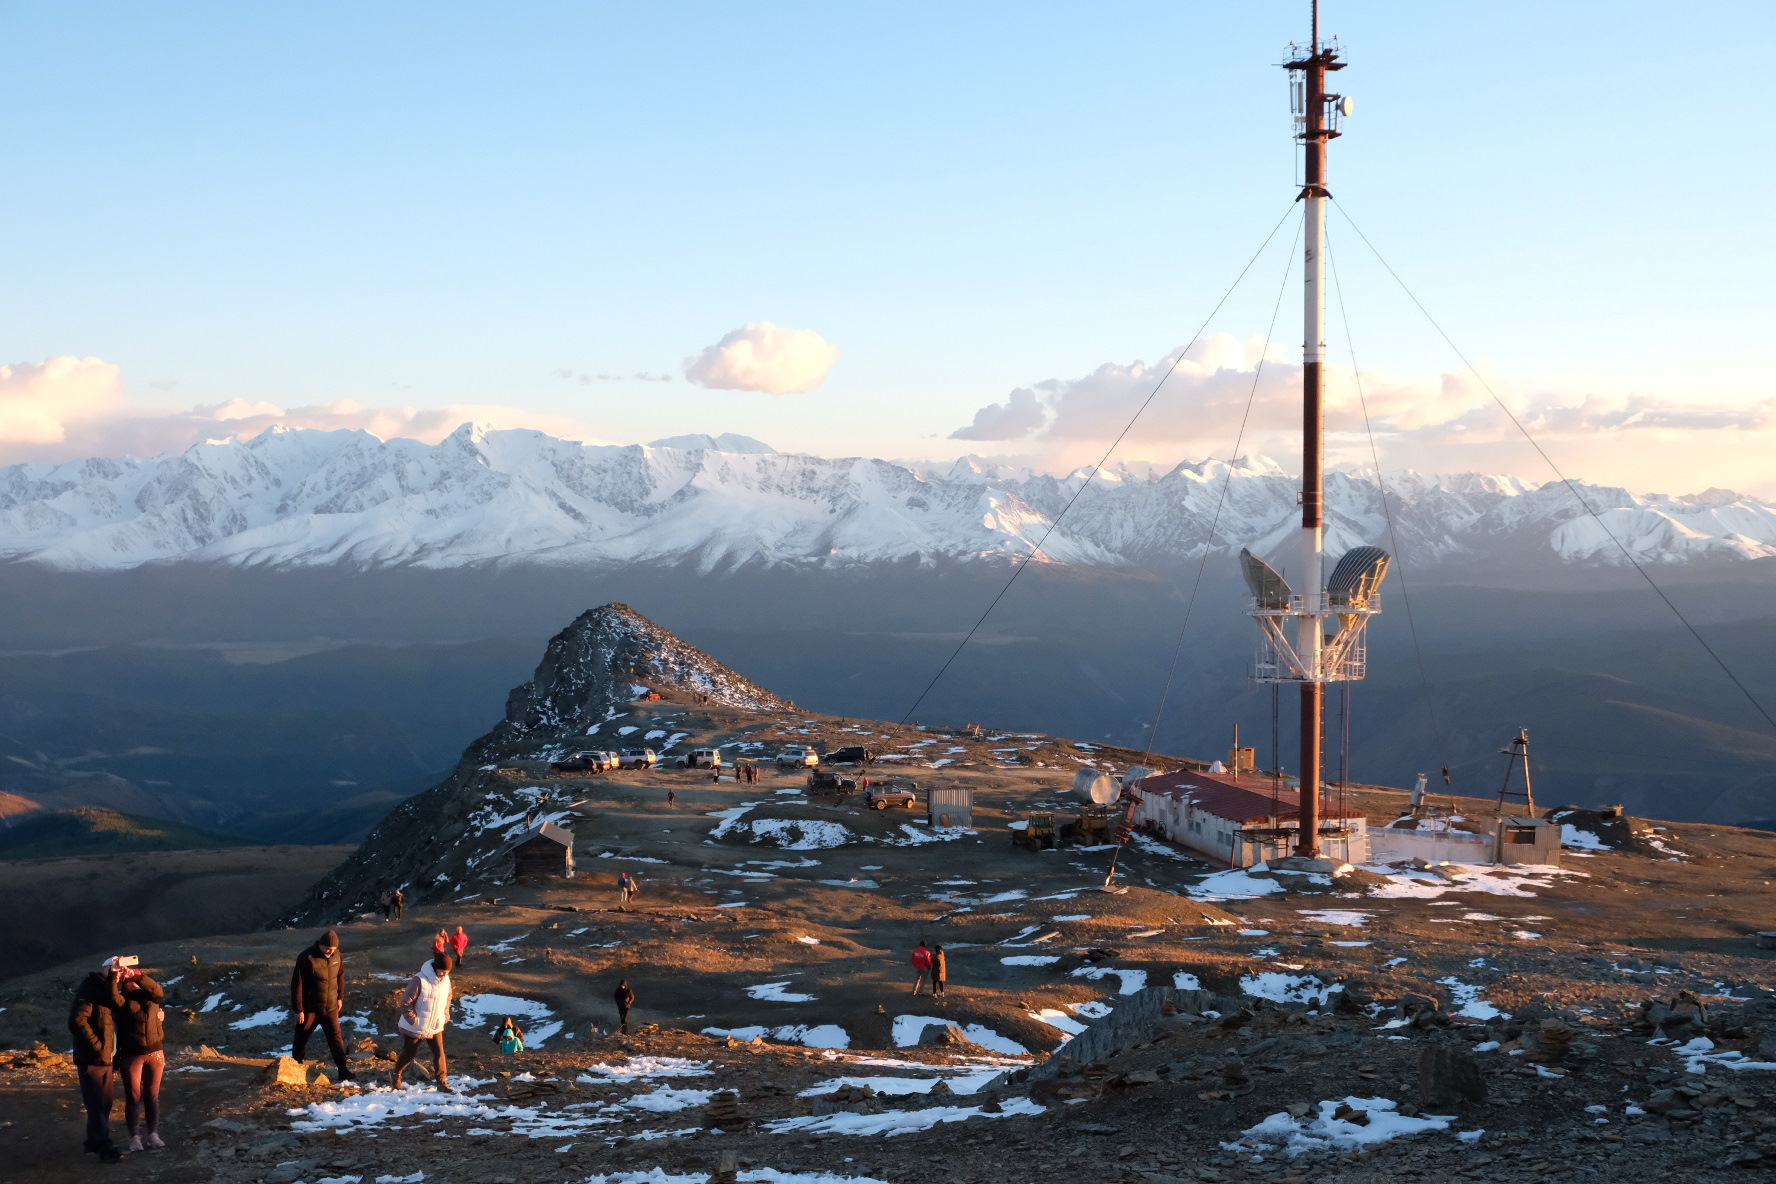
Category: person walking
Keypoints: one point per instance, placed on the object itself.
(625, 886)
(510, 1036)
(385, 903)
(671, 799)
(400, 899)
(93, 1021)
(317, 993)
(940, 970)
(424, 1012)
(625, 997)
(441, 942)
(922, 964)
(141, 1060)
(459, 944)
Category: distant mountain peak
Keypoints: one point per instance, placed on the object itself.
(609, 657)
(313, 499)
(592, 672)
(726, 442)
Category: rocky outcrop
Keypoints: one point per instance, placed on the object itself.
(600, 664)
(592, 671)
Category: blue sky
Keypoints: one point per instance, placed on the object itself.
(445, 205)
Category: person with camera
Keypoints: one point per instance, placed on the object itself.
(141, 1061)
(93, 1021)
(317, 993)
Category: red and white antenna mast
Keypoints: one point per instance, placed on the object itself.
(1312, 657)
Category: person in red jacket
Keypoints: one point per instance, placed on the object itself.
(459, 942)
(922, 964)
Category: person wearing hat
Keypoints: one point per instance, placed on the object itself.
(317, 993)
(424, 1014)
(93, 1021)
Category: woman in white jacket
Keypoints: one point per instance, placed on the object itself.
(425, 1010)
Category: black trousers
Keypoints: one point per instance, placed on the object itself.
(97, 1092)
(329, 1025)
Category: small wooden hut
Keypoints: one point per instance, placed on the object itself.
(544, 850)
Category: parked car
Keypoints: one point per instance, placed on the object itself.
(903, 794)
(701, 758)
(797, 756)
(855, 754)
(590, 761)
(821, 781)
(639, 758)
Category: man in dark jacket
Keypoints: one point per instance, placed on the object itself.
(400, 899)
(317, 992)
(93, 1021)
(625, 997)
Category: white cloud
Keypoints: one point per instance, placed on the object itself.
(1450, 424)
(67, 408)
(38, 400)
(764, 357)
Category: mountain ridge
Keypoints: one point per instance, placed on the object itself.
(290, 498)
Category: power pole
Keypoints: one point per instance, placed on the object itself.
(1518, 751)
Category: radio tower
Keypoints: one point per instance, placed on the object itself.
(1313, 657)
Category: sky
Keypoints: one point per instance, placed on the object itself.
(914, 232)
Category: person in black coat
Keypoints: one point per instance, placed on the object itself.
(625, 997)
(317, 993)
(93, 1021)
(141, 1061)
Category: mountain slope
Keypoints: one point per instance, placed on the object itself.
(592, 671)
(308, 498)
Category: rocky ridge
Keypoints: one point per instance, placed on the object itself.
(592, 672)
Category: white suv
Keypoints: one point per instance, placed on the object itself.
(639, 758)
(798, 756)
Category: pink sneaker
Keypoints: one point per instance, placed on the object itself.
(135, 1143)
(155, 1141)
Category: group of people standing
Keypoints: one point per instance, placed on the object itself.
(392, 902)
(455, 944)
(117, 1025)
(932, 963)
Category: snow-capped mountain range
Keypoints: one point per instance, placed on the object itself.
(349, 498)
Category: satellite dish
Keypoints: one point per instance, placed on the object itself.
(1347, 106)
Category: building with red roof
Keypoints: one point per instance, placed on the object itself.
(1239, 820)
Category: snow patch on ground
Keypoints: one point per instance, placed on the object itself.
(908, 1027)
(1031, 959)
(897, 1122)
(1581, 840)
(811, 1036)
(1321, 1132)
(1349, 917)
(1468, 1001)
(749, 1176)
(776, 994)
(1055, 1018)
(486, 1011)
(1237, 882)
(1132, 980)
(1288, 988)
(262, 1019)
(965, 1083)
(638, 1068)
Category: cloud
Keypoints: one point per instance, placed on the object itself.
(68, 408)
(763, 357)
(39, 400)
(1449, 423)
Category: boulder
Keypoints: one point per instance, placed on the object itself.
(284, 1071)
(1449, 1075)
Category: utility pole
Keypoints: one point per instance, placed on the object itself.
(1518, 751)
